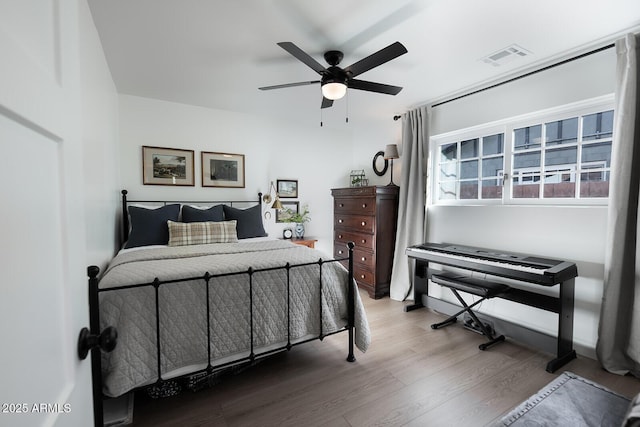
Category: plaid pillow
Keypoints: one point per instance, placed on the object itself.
(201, 233)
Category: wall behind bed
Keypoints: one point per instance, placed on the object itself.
(273, 150)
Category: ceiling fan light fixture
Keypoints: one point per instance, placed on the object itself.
(334, 90)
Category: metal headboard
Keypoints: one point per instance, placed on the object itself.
(126, 202)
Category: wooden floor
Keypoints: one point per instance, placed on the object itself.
(410, 376)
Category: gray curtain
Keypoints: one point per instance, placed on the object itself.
(618, 346)
(411, 210)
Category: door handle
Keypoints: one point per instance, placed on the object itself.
(106, 341)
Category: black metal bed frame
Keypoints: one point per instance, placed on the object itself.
(94, 311)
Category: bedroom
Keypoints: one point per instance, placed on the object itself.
(95, 129)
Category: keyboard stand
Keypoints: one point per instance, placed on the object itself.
(563, 305)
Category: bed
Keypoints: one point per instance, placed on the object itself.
(199, 287)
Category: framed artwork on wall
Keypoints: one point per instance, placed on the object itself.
(282, 215)
(167, 166)
(222, 170)
(287, 188)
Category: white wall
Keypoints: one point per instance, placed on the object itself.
(372, 137)
(320, 158)
(571, 233)
(99, 123)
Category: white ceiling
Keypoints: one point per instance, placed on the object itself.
(216, 53)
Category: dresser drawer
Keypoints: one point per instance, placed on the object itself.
(340, 193)
(363, 275)
(365, 258)
(356, 206)
(360, 239)
(362, 223)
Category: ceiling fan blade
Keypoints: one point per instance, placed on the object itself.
(326, 103)
(380, 57)
(374, 87)
(289, 85)
(301, 55)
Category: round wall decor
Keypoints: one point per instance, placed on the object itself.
(380, 167)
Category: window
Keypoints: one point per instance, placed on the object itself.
(477, 173)
(558, 157)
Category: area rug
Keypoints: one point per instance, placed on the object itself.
(570, 400)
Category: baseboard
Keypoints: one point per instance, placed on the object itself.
(530, 337)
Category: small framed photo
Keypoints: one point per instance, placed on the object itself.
(287, 188)
(167, 166)
(282, 215)
(222, 170)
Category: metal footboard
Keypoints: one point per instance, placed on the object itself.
(94, 308)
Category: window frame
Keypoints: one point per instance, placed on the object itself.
(507, 128)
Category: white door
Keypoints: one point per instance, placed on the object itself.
(43, 297)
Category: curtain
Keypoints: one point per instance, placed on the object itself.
(412, 198)
(618, 346)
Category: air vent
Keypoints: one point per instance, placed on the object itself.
(506, 55)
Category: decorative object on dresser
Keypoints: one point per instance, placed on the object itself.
(167, 166)
(357, 178)
(390, 153)
(368, 217)
(222, 170)
(380, 169)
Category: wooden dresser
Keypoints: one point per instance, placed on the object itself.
(367, 216)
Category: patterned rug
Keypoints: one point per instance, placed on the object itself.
(570, 400)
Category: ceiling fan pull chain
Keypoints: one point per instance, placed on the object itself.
(346, 118)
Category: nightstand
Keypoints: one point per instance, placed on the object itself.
(309, 242)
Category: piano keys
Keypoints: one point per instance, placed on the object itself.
(541, 271)
(516, 266)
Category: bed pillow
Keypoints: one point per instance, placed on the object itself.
(249, 221)
(191, 214)
(149, 226)
(202, 233)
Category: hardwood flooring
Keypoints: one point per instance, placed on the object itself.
(410, 376)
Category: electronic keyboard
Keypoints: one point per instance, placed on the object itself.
(528, 268)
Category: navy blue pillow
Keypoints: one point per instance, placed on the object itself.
(249, 221)
(191, 214)
(149, 226)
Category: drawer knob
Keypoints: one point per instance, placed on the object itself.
(342, 205)
(340, 252)
(364, 223)
(364, 205)
(362, 276)
(339, 236)
(340, 221)
(364, 258)
(364, 241)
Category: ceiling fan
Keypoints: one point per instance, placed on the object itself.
(335, 80)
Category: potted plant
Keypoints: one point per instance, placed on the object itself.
(299, 218)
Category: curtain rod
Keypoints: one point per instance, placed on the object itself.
(530, 73)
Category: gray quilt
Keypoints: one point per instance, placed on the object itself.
(183, 307)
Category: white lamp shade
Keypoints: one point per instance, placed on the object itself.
(334, 91)
(391, 152)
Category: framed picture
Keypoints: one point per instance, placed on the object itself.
(167, 166)
(222, 170)
(287, 188)
(282, 215)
